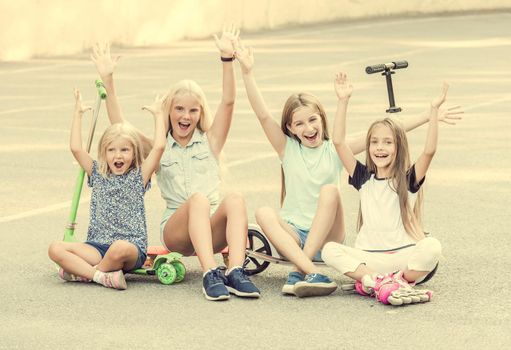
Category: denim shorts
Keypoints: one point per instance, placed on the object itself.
(102, 248)
(302, 236)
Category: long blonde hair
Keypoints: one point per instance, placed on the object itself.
(398, 181)
(189, 87)
(293, 103)
(115, 131)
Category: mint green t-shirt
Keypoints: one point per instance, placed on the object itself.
(306, 170)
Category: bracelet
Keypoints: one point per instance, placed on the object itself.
(227, 59)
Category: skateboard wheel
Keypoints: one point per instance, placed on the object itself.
(166, 273)
(180, 271)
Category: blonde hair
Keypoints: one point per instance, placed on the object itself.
(115, 131)
(398, 180)
(294, 103)
(191, 88)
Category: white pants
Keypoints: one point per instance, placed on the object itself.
(422, 257)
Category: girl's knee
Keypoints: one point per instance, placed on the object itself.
(120, 250)
(235, 197)
(329, 250)
(199, 200)
(264, 214)
(234, 201)
(428, 252)
(432, 246)
(55, 249)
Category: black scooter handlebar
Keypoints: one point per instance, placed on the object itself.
(386, 66)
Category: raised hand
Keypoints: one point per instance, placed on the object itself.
(244, 55)
(343, 88)
(156, 108)
(230, 34)
(450, 115)
(80, 108)
(103, 60)
(437, 102)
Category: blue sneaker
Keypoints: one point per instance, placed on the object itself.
(292, 279)
(213, 285)
(239, 284)
(315, 284)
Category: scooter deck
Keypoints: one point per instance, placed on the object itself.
(273, 259)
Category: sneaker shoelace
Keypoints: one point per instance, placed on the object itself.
(215, 277)
(310, 278)
(242, 277)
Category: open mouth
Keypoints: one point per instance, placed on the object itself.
(183, 125)
(311, 138)
(118, 165)
(381, 156)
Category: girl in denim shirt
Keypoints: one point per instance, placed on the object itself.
(196, 220)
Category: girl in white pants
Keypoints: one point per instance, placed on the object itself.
(422, 256)
(390, 234)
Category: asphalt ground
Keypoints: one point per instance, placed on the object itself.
(467, 192)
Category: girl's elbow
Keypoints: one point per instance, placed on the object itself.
(74, 149)
(338, 142)
(229, 102)
(159, 147)
(430, 152)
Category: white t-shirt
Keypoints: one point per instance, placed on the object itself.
(382, 227)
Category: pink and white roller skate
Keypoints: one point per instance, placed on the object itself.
(393, 289)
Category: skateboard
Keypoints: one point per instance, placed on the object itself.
(164, 264)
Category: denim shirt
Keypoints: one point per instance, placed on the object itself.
(185, 170)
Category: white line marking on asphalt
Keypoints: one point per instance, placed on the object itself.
(36, 108)
(251, 159)
(54, 66)
(16, 148)
(489, 103)
(40, 211)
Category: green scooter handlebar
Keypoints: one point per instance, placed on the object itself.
(101, 89)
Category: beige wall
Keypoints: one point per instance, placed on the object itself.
(60, 27)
